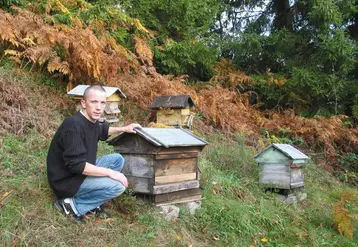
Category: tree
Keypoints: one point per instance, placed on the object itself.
(311, 43)
(180, 28)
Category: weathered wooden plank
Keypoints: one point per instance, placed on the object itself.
(180, 149)
(169, 117)
(134, 144)
(272, 155)
(296, 165)
(175, 178)
(297, 178)
(183, 155)
(181, 200)
(275, 176)
(138, 165)
(167, 188)
(175, 167)
(177, 195)
(140, 185)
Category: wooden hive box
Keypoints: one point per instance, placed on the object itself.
(162, 163)
(173, 110)
(281, 167)
(114, 96)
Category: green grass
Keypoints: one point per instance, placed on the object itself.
(235, 211)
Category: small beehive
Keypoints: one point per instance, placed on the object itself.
(281, 167)
(114, 95)
(162, 163)
(173, 110)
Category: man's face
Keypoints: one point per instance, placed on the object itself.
(93, 104)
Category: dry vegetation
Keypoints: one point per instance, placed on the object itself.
(77, 55)
(22, 110)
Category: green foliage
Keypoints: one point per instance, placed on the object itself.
(180, 28)
(325, 13)
(355, 108)
(270, 92)
(318, 56)
(179, 20)
(349, 165)
(64, 18)
(189, 57)
(8, 3)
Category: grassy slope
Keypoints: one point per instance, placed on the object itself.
(235, 212)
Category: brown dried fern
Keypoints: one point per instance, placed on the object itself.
(342, 217)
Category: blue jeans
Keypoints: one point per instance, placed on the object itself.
(94, 191)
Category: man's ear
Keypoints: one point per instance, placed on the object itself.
(83, 104)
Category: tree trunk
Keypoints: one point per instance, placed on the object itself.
(283, 15)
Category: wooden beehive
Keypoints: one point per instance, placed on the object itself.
(173, 110)
(281, 167)
(162, 163)
(114, 96)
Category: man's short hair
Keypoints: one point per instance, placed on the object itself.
(93, 87)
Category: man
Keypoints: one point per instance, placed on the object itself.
(81, 182)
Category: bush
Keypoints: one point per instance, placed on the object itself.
(349, 165)
(193, 58)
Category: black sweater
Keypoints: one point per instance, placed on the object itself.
(74, 144)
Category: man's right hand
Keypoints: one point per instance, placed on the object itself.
(115, 175)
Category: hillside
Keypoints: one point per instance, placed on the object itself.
(75, 55)
(235, 211)
(49, 48)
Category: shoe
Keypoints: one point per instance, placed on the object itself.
(100, 212)
(65, 208)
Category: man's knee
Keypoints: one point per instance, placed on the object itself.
(118, 161)
(117, 189)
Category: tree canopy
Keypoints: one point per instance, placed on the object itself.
(299, 54)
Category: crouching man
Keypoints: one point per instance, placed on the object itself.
(82, 182)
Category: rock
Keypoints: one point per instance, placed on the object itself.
(290, 199)
(170, 211)
(301, 196)
(193, 206)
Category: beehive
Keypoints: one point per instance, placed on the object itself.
(114, 96)
(173, 110)
(162, 163)
(281, 167)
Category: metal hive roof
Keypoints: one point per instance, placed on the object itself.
(286, 149)
(79, 90)
(163, 137)
(173, 102)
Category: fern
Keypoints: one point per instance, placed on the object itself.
(227, 75)
(343, 217)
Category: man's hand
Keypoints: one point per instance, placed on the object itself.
(115, 175)
(130, 128)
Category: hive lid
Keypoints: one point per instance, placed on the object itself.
(79, 90)
(286, 149)
(172, 102)
(163, 137)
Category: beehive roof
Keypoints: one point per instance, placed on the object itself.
(79, 90)
(173, 102)
(164, 137)
(287, 150)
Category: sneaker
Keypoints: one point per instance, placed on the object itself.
(65, 208)
(100, 212)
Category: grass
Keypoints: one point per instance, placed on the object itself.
(235, 210)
